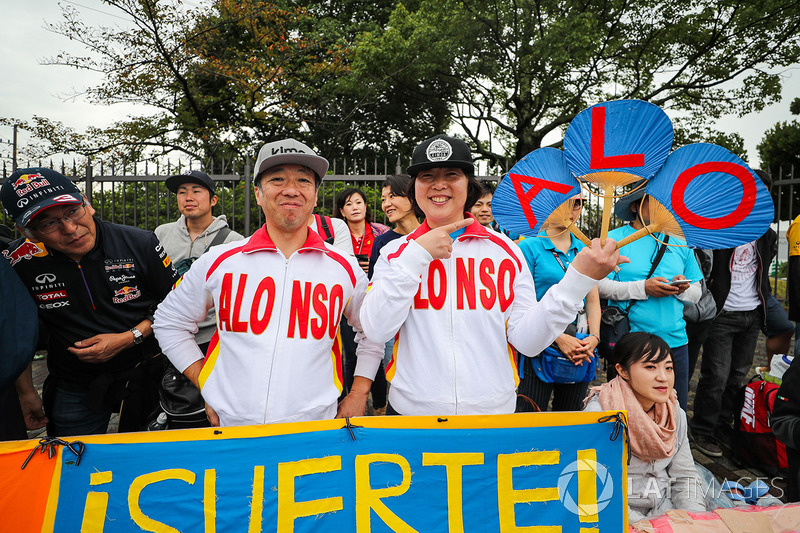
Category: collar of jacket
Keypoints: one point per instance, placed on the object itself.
(260, 241)
(473, 230)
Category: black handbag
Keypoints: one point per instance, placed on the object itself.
(181, 401)
(614, 321)
(614, 324)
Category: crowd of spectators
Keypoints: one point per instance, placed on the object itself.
(444, 313)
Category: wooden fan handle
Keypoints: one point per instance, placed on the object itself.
(608, 204)
(651, 228)
(581, 236)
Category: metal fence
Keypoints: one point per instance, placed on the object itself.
(135, 194)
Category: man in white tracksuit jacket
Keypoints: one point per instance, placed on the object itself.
(459, 297)
(279, 296)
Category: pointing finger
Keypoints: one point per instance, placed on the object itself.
(455, 226)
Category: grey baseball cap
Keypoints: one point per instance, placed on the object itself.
(290, 151)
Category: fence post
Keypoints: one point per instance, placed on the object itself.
(89, 180)
(247, 181)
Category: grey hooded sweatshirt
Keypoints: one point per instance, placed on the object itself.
(174, 236)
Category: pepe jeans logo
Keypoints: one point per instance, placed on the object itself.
(439, 150)
(45, 278)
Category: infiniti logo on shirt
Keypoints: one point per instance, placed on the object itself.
(45, 278)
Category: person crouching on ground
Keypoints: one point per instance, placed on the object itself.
(660, 453)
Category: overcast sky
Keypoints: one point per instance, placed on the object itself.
(31, 88)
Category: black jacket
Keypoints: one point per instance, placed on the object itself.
(113, 288)
(719, 282)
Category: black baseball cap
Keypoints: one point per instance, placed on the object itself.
(190, 176)
(441, 151)
(28, 191)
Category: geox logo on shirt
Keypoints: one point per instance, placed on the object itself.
(126, 294)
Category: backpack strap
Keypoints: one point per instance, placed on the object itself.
(653, 267)
(219, 238)
(324, 224)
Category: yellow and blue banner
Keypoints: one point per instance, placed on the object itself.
(538, 472)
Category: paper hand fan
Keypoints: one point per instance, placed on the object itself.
(533, 190)
(615, 144)
(709, 197)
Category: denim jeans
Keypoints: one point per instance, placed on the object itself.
(70, 417)
(727, 358)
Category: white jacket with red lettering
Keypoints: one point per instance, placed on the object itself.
(456, 319)
(276, 356)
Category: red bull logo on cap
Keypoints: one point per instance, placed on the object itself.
(26, 250)
(126, 294)
(28, 182)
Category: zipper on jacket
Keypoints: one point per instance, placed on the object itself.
(277, 336)
(451, 296)
(87, 287)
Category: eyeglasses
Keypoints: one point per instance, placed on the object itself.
(70, 215)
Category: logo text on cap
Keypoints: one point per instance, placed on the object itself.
(282, 150)
(439, 150)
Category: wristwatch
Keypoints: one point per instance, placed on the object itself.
(137, 336)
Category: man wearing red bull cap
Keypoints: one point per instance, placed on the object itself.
(280, 295)
(96, 285)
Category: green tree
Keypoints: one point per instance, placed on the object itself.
(515, 71)
(353, 77)
(779, 150)
(226, 77)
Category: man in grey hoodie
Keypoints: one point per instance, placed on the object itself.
(195, 231)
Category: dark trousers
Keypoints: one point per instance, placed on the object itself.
(566, 396)
(12, 423)
(727, 358)
(349, 345)
(793, 490)
(698, 334)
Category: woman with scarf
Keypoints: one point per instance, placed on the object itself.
(661, 474)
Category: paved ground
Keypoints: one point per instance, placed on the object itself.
(725, 467)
